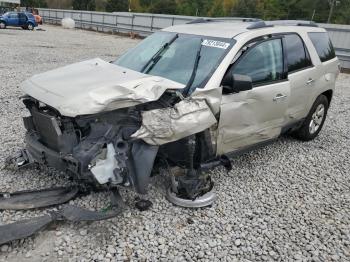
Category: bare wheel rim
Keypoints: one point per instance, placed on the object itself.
(2, 25)
(316, 119)
(30, 27)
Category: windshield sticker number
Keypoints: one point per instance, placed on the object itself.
(217, 44)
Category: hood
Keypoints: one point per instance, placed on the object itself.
(95, 86)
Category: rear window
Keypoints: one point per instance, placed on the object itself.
(323, 46)
(297, 55)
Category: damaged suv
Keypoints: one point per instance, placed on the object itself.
(184, 100)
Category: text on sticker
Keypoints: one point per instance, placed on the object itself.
(214, 43)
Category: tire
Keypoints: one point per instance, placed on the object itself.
(30, 26)
(2, 25)
(314, 121)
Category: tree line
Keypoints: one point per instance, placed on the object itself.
(316, 10)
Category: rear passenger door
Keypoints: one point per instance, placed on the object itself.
(329, 62)
(302, 76)
(22, 19)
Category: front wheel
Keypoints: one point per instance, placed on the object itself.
(314, 121)
(30, 27)
(2, 25)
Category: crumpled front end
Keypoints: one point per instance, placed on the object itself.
(94, 149)
(119, 147)
(107, 125)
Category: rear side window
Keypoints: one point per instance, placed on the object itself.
(323, 45)
(297, 55)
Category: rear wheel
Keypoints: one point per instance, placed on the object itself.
(314, 121)
(2, 25)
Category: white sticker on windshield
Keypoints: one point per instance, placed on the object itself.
(214, 43)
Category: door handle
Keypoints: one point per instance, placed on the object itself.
(279, 96)
(308, 82)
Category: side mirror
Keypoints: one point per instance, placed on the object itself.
(234, 83)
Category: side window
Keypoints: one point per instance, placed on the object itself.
(22, 16)
(13, 15)
(323, 45)
(263, 63)
(297, 55)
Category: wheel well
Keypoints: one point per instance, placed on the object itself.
(328, 94)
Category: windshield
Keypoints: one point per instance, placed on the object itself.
(173, 56)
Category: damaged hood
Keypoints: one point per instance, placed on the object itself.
(95, 86)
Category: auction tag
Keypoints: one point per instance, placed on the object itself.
(214, 43)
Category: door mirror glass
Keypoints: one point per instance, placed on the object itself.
(234, 83)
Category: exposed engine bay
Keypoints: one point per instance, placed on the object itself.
(118, 147)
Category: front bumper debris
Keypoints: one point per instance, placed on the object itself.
(23, 200)
(28, 227)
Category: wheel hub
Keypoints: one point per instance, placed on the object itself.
(317, 119)
(205, 200)
(191, 191)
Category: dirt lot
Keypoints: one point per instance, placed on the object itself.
(287, 201)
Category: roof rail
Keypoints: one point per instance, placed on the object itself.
(292, 22)
(263, 24)
(222, 19)
(199, 21)
(259, 24)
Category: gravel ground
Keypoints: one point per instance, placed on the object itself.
(287, 201)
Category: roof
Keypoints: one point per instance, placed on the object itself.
(230, 29)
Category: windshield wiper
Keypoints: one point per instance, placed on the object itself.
(194, 71)
(157, 55)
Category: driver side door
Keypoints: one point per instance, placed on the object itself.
(257, 115)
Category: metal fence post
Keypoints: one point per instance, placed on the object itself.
(116, 22)
(152, 23)
(132, 23)
(103, 22)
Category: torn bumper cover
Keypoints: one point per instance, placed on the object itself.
(137, 163)
(28, 227)
(161, 126)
